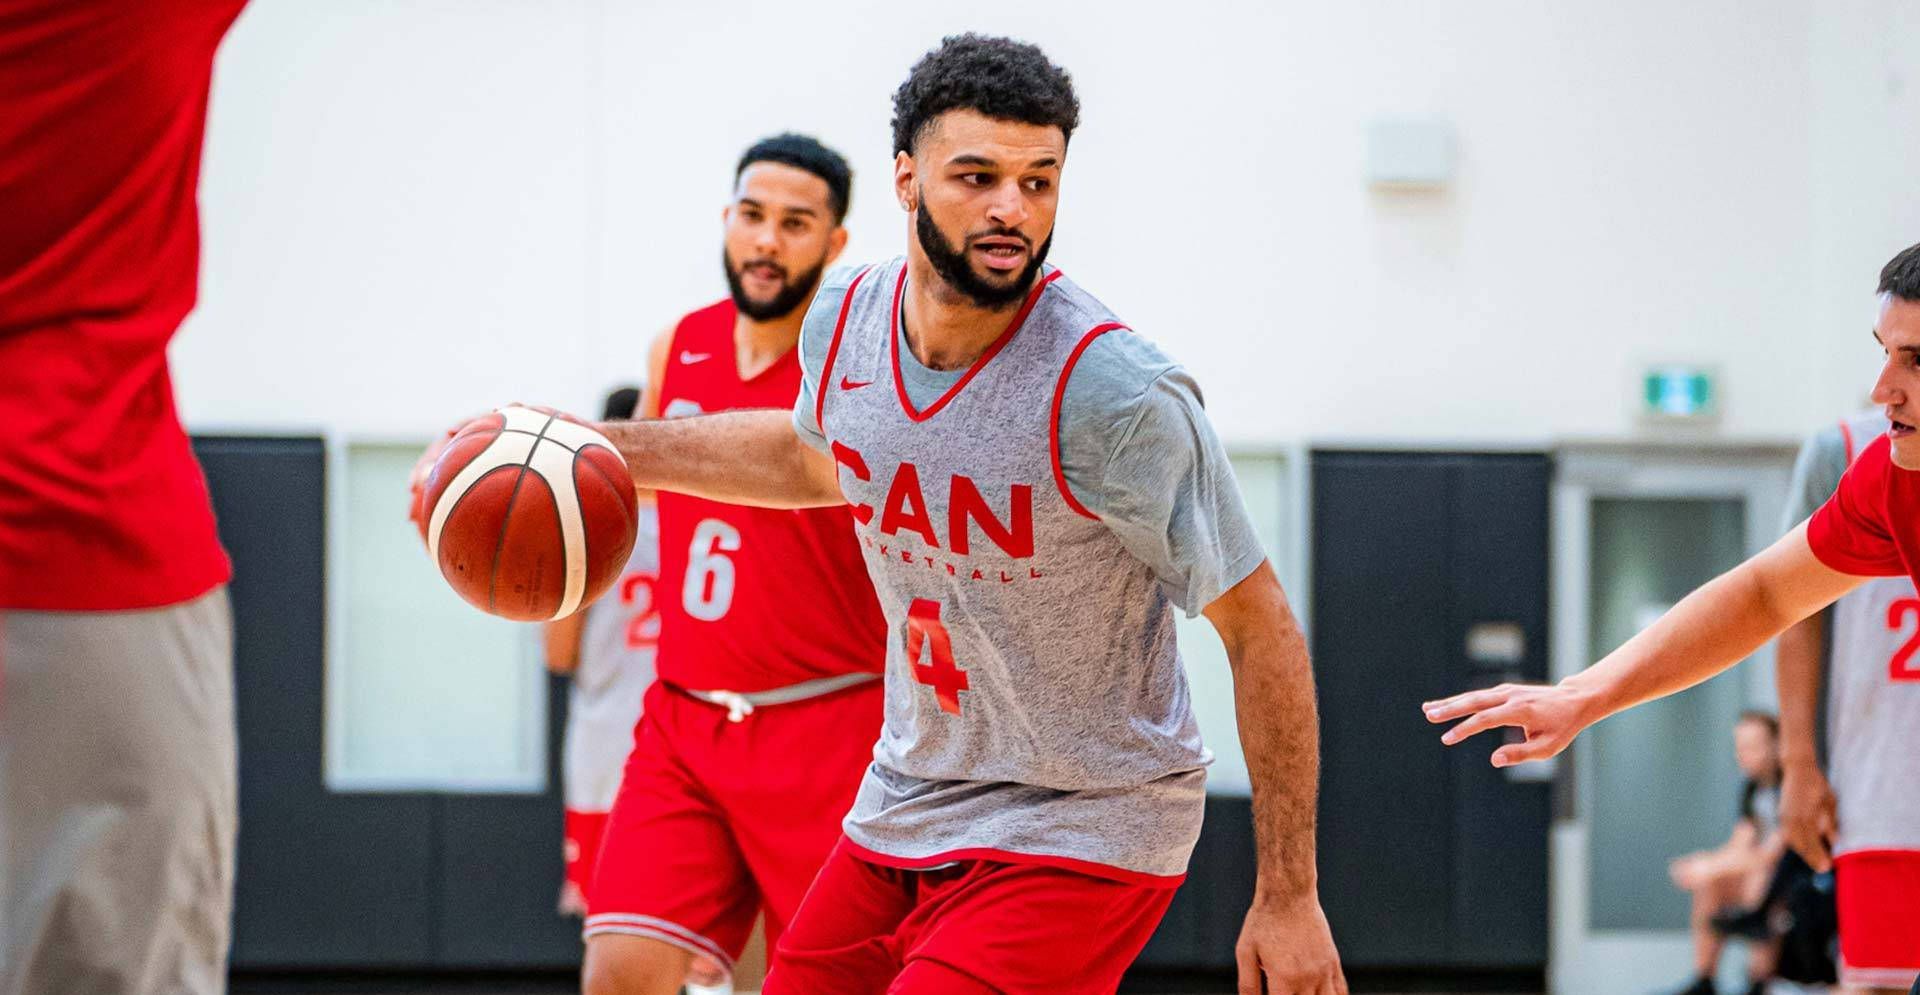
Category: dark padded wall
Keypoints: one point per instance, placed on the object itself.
(363, 880)
(1428, 856)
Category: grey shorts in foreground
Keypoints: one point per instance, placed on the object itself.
(117, 799)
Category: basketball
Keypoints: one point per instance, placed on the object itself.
(529, 513)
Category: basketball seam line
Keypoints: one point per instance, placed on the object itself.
(455, 507)
(586, 547)
(493, 573)
(539, 435)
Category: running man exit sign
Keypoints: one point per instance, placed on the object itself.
(1679, 392)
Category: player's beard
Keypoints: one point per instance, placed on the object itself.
(793, 292)
(953, 267)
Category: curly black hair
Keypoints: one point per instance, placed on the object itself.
(804, 152)
(1901, 275)
(1001, 78)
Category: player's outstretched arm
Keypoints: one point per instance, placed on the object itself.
(1285, 939)
(741, 457)
(1710, 630)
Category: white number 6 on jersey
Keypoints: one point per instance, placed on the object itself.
(708, 590)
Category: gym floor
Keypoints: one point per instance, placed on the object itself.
(559, 983)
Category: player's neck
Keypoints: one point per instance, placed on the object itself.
(760, 344)
(945, 330)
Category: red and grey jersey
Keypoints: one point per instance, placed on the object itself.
(1873, 689)
(1036, 706)
(753, 599)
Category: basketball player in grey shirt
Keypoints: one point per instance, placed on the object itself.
(1037, 488)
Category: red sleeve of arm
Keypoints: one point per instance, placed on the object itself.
(1850, 532)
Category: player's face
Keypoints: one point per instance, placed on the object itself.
(983, 194)
(1898, 389)
(780, 236)
(1754, 749)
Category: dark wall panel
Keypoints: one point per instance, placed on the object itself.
(1429, 857)
(1380, 597)
(1500, 872)
(500, 872)
(323, 880)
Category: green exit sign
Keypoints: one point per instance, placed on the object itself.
(1679, 392)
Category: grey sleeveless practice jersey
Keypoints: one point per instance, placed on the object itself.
(1028, 523)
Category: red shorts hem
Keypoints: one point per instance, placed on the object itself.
(1087, 867)
(653, 927)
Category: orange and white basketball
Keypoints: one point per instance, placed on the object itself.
(529, 513)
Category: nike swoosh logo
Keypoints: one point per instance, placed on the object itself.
(689, 358)
(847, 384)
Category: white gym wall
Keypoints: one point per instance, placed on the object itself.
(417, 209)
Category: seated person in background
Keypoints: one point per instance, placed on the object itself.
(1734, 876)
(607, 648)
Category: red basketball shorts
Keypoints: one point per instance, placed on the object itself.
(974, 927)
(1878, 897)
(717, 820)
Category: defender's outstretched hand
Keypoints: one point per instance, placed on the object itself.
(1548, 715)
(1708, 631)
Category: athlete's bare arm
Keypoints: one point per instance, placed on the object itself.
(1708, 631)
(1285, 939)
(1808, 809)
(740, 457)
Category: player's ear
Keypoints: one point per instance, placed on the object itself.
(836, 243)
(726, 215)
(905, 190)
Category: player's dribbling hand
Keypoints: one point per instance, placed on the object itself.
(1808, 813)
(1289, 947)
(1547, 715)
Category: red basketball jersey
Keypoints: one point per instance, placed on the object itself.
(753, 599)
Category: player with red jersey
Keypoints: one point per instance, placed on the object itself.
(1869, 528)
(117, 759)
(1864, 823)
(768, 699)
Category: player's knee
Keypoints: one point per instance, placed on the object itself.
(632, 965)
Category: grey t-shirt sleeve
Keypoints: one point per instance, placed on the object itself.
(1816, 475)
(1137, 449)
(816, 337)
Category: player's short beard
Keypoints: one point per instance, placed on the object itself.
(793, 292)
(951, 263)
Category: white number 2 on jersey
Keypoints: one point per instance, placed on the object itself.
(708, 590)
